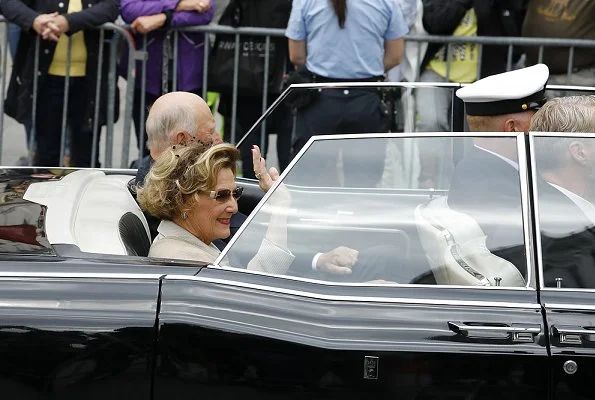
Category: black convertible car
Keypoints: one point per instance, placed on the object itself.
(479, 287)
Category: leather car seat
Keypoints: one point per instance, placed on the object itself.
(455, 247)
(93, 211)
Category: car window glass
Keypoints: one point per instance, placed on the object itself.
(565, 193)
(346, 222)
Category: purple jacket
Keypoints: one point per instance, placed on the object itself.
(190, 45)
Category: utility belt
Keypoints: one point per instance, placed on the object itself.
(301, 98)
(321, 79)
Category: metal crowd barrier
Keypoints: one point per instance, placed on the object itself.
(111, 83)
(237, 33)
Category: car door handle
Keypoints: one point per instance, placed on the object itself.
(573, 334)
(518, 333)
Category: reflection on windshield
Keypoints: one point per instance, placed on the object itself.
(345, 226)
(565, 183)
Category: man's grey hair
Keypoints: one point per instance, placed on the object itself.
(167, 121)
(566, 114)
(572, 114)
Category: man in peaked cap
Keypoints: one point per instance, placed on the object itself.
(486, 183)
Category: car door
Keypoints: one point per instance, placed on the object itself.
(71, 327)
(75, 334)
(566, 257)
(411, 321)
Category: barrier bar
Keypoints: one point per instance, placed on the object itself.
(265, 92)
(234, 96)
(97, 100)
(111, 97)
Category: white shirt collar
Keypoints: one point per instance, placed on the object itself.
(508, 161)
(584, 205)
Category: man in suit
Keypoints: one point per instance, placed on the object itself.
(565, 166)
(486, 183)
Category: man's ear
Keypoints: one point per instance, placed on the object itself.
(578, 152)
(180, 138)
(510, 125)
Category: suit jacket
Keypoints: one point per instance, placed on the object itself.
(487, 188)
(567, 240)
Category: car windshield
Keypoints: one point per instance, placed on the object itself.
(357, 200)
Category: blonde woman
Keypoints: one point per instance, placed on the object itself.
(192, 189)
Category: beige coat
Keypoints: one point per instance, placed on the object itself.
(175, 242)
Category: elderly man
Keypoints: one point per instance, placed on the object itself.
(175, 118)
(486, 184)
(565, 167)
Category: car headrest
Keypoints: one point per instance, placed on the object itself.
(133, 235)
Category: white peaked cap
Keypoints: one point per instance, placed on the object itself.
(509, 92)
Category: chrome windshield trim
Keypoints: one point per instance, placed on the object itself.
(562, 134)
(90, 275)
(341, 85)
(550, 289)
(558, 306)
(363, 284)
(525, 207)
(536, 219)
(367, 299)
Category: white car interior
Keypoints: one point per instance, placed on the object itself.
(455, 247)
(93, 211)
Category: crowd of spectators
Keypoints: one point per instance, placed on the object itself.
(330, 48)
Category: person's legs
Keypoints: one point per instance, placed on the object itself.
(48, 123)
(433, 111)
(364, 113)
(318, 166)
(14, 35)
(81, 130)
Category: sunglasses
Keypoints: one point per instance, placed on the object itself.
(223, 195)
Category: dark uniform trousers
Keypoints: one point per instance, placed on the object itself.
(343, 111)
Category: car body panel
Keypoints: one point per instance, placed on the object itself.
(222, 336)
(77, 337)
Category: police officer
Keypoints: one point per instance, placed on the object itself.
(345, 41)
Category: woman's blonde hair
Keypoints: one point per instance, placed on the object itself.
(179, 173)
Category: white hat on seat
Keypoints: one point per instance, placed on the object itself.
(506, 93)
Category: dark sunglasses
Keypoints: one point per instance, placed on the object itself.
(223, 195)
